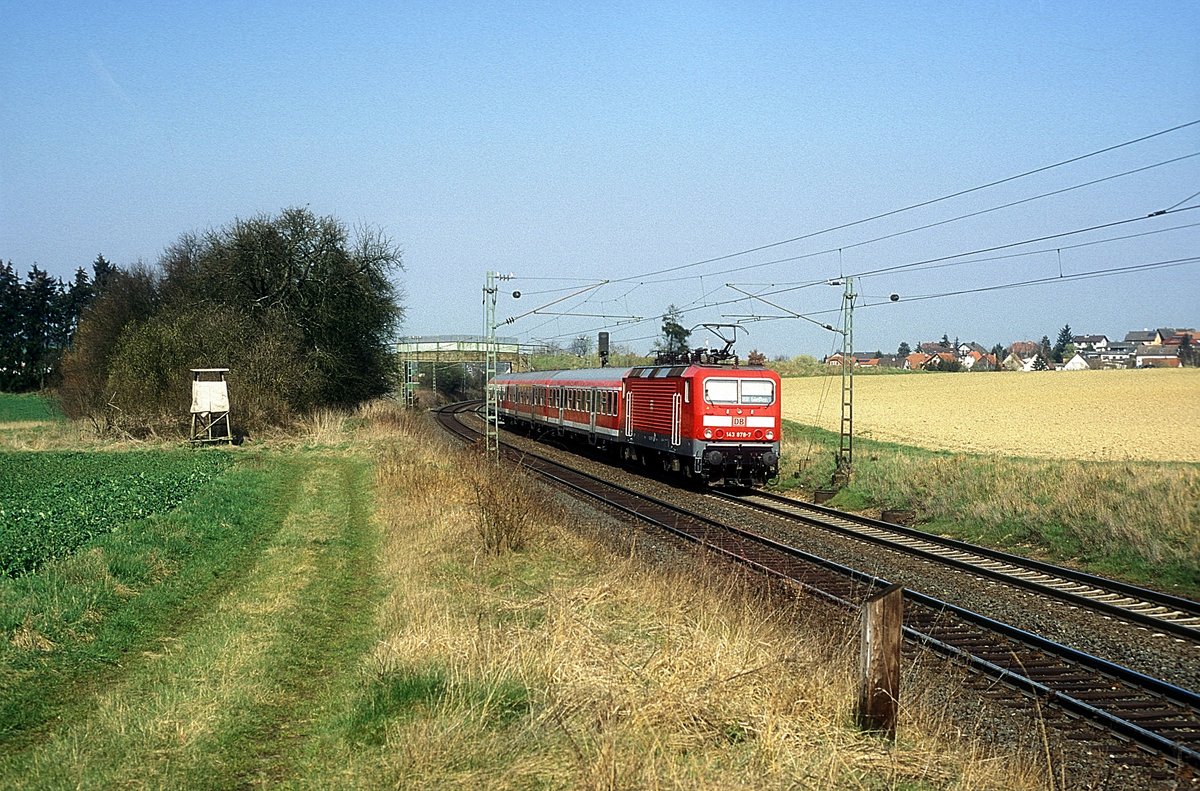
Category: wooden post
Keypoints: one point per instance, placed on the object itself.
(879, 683)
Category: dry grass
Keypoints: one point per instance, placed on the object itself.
(566, 666)
(1083, 415)
(45, 435)
(321, 427)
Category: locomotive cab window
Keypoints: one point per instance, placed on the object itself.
(721, 391)
(758, 391)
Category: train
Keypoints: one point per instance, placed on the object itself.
(713, 423)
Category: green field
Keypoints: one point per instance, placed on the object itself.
(27, 408)
(53, 503)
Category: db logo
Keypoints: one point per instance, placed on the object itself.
(739, 421)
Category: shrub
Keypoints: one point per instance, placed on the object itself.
(509, 510)
(299, 311)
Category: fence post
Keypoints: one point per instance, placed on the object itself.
(879, 681)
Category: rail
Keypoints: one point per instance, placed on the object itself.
(1170, 614)
(1148, 712)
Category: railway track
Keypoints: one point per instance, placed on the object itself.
(1159, 612)
(1148, 715)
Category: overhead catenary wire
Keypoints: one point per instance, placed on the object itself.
(1052, 279)
(1059, 278)
(1092, 243)
(911, 207)
(1185, 200)
(979, 251)
(978, 213)
(927, 263)
(812, 315)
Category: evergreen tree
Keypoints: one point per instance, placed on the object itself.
(40, 328)
(102, 272)
(1046, 350)
(904, 349)
(674, 341)
(76, 298)
(1060, 345)
(10, 327)
(1187, 352)
(945, 340)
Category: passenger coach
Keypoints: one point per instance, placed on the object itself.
(714, 422)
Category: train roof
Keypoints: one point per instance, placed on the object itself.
(576, 375)
(660, 371)
(597, 375)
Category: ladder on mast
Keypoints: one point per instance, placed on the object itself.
(492, 409)
(845, 457)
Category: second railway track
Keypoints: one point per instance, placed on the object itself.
(1154, 610)
(1156, 716)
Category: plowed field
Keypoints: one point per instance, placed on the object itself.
(1151, 415)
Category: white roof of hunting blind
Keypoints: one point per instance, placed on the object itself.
(209, 396)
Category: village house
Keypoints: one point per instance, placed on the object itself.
(1012, 363)
(1080, 363)
(1117, 355)
(866, 360)
(1032, 361)
(920, 361)
(1024, 349)
(1175, 337)
(1090, 343)
(1157, 357)
(1142, 338)
(978, 360)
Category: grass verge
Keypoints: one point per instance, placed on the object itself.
(344, 615)
(563, 665)
(1133, 520)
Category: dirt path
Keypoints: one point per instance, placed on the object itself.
(234, 696)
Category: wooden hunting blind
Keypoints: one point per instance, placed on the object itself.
(210, 406)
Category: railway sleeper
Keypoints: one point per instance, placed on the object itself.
(1115, 696)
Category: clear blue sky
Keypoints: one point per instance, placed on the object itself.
(607, 140)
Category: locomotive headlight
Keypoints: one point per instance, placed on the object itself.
(708, 433)
(770, 434)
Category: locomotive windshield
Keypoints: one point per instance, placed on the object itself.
(721, 391)
(757, 391)
(752, 392)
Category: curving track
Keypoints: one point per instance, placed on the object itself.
(1142, 711)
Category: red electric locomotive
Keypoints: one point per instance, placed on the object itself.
(719, 423)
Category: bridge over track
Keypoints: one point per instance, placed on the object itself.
(422, 357)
